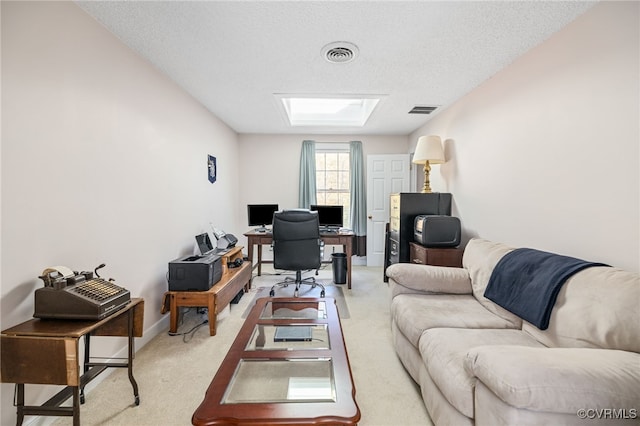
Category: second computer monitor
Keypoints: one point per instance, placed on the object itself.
(261, 215)
(328, 216)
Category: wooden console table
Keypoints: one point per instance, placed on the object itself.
(344, 239)
(216, 298)
(45, 351)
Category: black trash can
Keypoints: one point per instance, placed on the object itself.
(339, 266)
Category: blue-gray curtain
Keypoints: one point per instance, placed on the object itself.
(358, 199)
(307, 190)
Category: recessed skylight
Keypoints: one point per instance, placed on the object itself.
(349, 111)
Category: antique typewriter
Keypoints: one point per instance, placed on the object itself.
(78, 295)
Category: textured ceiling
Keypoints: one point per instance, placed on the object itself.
(233, 56)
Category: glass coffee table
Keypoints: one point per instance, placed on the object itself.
(288, 365)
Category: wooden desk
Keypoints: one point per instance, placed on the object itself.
(45, 351)
(344, 239)
(216, 298)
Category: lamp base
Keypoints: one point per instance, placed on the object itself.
(426, 188)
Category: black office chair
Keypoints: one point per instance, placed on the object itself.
(296, 247)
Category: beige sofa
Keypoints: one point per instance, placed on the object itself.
(477, 363)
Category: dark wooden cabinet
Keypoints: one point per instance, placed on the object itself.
(404, 207)
(422, 255)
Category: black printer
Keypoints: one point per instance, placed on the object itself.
(195, 273)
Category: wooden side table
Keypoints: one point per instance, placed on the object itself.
(436, 256)
(47, 352)
(216, 298)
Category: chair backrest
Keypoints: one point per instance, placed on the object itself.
(296, 240)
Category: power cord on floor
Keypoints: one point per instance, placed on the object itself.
(188, 335)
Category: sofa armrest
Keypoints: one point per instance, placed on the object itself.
(558, 380)
(412, 278)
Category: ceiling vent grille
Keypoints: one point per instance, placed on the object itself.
(422, 110)
(340, 52)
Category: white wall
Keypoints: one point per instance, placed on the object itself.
(271, 166)
(545, 154)
(103, 160)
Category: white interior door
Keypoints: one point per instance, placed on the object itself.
(386, 174)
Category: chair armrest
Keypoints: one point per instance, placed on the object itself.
(558, 380)
(412, 278)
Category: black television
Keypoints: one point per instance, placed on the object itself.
(328, 216)
(261, 215)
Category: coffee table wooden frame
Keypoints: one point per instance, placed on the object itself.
(344, 411)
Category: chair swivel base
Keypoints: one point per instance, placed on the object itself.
(298, 282)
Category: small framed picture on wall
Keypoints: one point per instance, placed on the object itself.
(212, 168)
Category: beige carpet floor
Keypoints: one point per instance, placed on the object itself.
(173, 372)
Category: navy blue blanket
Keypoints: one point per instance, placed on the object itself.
(527, 282)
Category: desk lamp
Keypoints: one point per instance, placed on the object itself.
(428, 151)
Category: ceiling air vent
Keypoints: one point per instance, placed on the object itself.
(422, 110)
(340, 52)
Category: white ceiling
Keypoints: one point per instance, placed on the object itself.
(233, 56)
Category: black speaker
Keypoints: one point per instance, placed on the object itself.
(437, 231)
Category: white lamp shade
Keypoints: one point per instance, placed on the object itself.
(429, 148)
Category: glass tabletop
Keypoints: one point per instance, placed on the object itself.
(289, 337)
(288, 309)
(282, 380)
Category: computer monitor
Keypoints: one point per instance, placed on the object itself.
(328, 216)
(261, 215)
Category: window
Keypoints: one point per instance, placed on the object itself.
(303, 110)
(333, 181)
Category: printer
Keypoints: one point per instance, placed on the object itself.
(195, 273)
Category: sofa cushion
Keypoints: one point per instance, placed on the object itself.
(414, 313)
(440, 411)
(558, 380)
(596, 308)
(407, 353)
(480, 257)
(444, 350)
(423, 279)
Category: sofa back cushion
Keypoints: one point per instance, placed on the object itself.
(479, 258)
(596, 308)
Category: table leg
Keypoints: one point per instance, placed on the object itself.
(250, 251)
(76, 406)
(87, 356)
(348, 249)
(211, 308)
(20, 403)
(173, 313)
(131, 349)
(259, 259)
